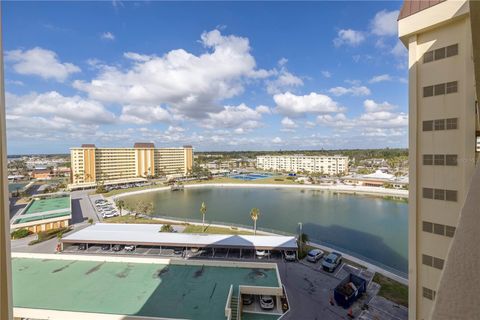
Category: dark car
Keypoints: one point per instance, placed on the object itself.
(117, 248)
(332, 261)
(82, 246)
(247, 299)
(105, 247)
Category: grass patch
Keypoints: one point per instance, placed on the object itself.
(50, 234)
(120, 191)
(392, 290)
(131, 219)
(20, 233)
(215, 230)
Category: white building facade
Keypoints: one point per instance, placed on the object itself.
(329, 165)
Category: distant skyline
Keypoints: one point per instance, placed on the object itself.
(220, 76)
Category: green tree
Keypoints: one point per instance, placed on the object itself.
(145, 208)
(255, 214)
(203, 211)
(166, 228)
(302, 241)
(120, 205)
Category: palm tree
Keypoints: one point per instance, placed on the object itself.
(120, 205)
(254, 214)
(203, 211)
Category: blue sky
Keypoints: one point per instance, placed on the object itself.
(217, 75)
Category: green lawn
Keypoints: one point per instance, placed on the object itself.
(215, 230)
(120, 191)
(392, 290)
(131, 219)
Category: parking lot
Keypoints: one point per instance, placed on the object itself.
(179, 252)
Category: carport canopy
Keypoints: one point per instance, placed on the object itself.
(150, 235)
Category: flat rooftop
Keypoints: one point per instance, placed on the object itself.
(131, 289)
(148, 234)
(45, 208)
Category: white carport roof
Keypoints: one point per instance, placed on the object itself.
(148, 234)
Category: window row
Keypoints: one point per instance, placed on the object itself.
(440, 159)
(440, 229)
(440, 194)
(440, 124)
(432, 261)
(440, 53)
(429, 293)
(440, 89)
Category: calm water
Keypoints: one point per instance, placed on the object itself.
(13, 187)
(370, 228)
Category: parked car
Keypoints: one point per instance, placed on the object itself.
(130, 248)
(82, 246)
(315, 255)
(105, 247)
(262, 254)
(247, 299)
(290, 255)
(110, 214)
(117, 248)
(332, 261)
(267, 302)
(178, 251)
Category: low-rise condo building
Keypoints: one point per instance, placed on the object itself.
(91, 165)
(329, 165)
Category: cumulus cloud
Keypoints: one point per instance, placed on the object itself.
(348, 37)
(284, 81)
(53, 104)
(399, 50)
(107, 36)
(385, 23)
(354, 91)
(372, 106)
(263, 109)
(189, 84)
(40, 62)
(145, 114)
(288, 124)
(380, 78)
(277, 140)
(240, 118)
(290, 104)
(326, 74)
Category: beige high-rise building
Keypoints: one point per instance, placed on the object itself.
(91, 164)
(330, 165)
(442, 38)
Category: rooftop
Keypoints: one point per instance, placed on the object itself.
(410, 7)
(146, 289)
(48, 204)
(148, 234)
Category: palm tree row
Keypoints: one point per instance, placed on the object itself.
(254, 214)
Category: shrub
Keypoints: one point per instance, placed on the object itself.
(166, 228)
(278, 179)
(20, 233)
(49, 234)
(90, 220)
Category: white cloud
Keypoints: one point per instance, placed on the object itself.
(174, 130)
(53, 104)
(372, 106)
(277, 140)
(380, 78)
(354, 91)
(241, 118)
(290, 104)
(284, 81)
(189, 84)
(263, 109)
(399, 50)
(288, 123)
(326, 74)
(385, 23)
(107, 36)
(348, 37)
(40, 62)
(144, 114)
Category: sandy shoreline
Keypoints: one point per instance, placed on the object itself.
(375, 191)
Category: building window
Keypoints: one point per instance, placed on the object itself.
(428, 125)
(449, 231)
(428, 293)
(428, 91)
(438, 263)
(452, 50)
(427, 260)
(452, 87)
(439, 160)
(439, 124)
(427, 226)
(439, 194)
(439, 229)
(428, 193)
(452, 123)
(440, 53)
(428, 57)
(439, 89)
(451, 195)
(451, 159)
(427, 159)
